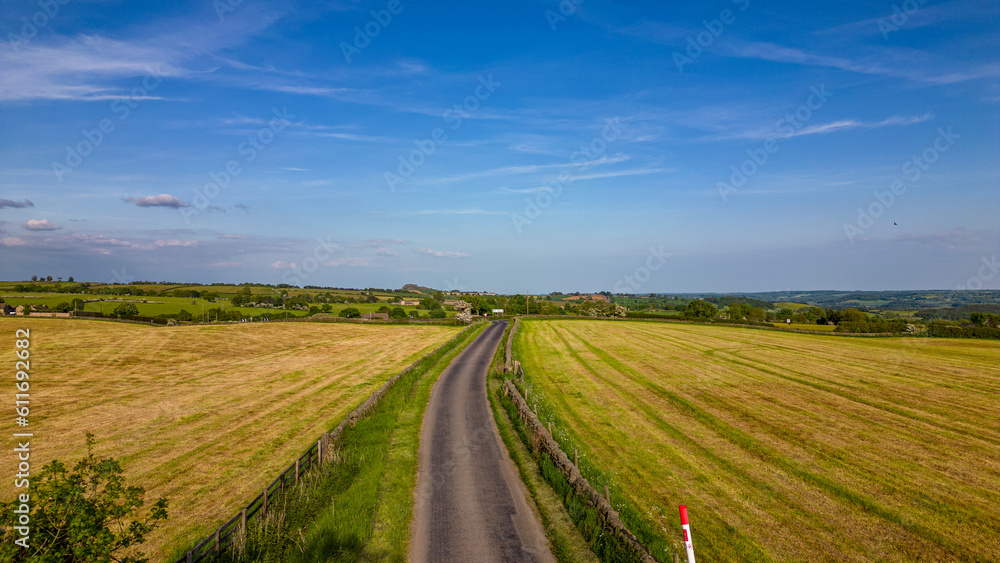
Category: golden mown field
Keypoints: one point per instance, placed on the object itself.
(785, 447)
(203, 415)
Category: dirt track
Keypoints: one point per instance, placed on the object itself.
(470, 503)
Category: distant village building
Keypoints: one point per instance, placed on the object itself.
(373, 316)
(407, 302)
(6, 309)
(36, 311)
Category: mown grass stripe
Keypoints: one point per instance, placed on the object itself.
(768, 454)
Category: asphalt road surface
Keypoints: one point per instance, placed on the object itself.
(471, 505)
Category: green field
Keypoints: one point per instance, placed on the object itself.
(173, 305)
(784, 446)
(792, 306)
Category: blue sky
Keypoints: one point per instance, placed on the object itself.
(541, 146)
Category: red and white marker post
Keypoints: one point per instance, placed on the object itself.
(687, 533)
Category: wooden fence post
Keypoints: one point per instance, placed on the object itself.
(296, 472)
(243, 520)
(676, 557)
(217, 540)
(189, 557)
(264, 509)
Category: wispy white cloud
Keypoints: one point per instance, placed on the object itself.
(102, 241)
(348, 261)
(822, 128)
(531, 168)
(11, 241)
(93, 67)
(534, 190)
(618, 173)
(443, 254)
(886, 61)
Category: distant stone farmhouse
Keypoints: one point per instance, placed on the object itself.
(37, 311)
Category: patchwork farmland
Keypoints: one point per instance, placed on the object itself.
(785, 447)
(203, 415)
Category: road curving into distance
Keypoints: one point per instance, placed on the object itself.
(471, 506)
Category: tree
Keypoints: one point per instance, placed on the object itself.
(77, 304)
(437, 313)
(70, 280)
(428, 303)
(326, 308)
(184, 315)
(439, 297)
(63, 307)
(397, 313)
(87, 514)
(700, 309)
(48, 278)
(126, 310)
(350, 313)
(738, 311)
(242, 297)
(383, 309)
(34, 278)
(852, 315)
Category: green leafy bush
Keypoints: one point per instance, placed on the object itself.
(84, 515)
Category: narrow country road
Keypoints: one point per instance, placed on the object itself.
(471, 506)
